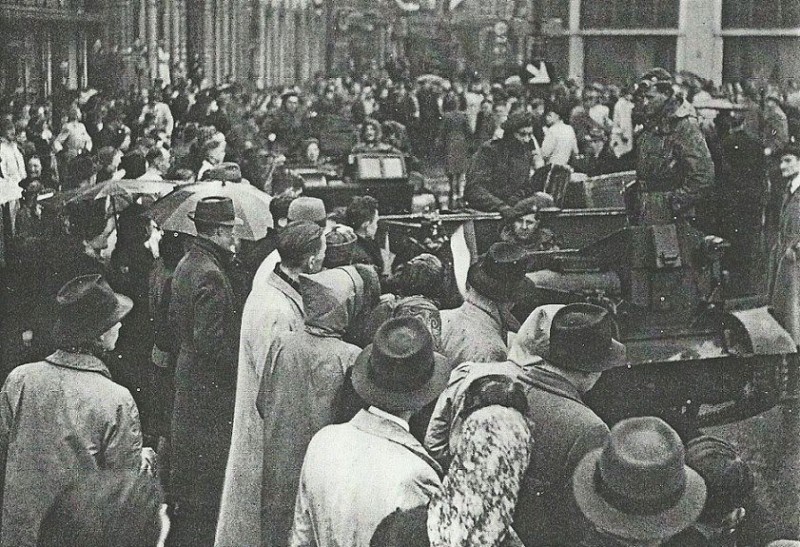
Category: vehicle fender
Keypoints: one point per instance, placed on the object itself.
(765, 334)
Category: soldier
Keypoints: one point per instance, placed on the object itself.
(673, 163)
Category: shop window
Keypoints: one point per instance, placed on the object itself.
(760, 13)
(760, 58)
(626, 14)
(621, 59)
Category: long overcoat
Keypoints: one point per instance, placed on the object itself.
(785, 267)
(565, 430)
(203, 311)
(455, 138)
(301, 389)
(58, 418)
(273, 307)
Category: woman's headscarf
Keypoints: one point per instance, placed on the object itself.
(533, 338)
(475, 506)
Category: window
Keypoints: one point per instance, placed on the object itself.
(618, 59)
(760, 58)
(610, 14)
(760, 14)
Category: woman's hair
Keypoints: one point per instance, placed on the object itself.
(375, 124)
(494, 389)
(104, 509)
(422, 275)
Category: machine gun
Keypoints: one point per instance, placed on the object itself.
(429, 232)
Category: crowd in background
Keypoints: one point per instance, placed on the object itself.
(322, 395)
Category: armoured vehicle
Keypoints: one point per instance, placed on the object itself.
(695, 356)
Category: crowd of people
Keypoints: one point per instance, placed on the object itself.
(303, 389)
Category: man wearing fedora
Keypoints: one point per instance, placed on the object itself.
(65, 414)
(581, 347)
(355, 474)
(637, 490)
(204, 314)
(477, 330)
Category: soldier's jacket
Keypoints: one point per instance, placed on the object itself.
(673, 156)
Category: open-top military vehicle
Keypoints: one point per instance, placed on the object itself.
(382, 175)
(695, 357)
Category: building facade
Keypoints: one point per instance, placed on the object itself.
(267, 42)
(46, 43)
(616, 40)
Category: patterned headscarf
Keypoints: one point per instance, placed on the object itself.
(475, 506)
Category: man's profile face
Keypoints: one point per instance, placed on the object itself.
(315, 263)
(790, 166)
(651, 102)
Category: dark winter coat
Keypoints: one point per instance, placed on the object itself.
(499, 175)
(784, 285)
(202, 311)
(673, 157)
(455, 135)
(565, 431)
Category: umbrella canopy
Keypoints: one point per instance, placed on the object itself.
(251, 204)
(123, 187)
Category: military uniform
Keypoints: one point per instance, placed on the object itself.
(673, 164)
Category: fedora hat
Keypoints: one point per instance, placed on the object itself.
(582, 338)
(497, 273)
(217, 211)
(638, 486)
(86, 308)
(400, 371)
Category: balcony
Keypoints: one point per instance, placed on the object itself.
(87, 11)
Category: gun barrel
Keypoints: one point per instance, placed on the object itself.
(433, 217)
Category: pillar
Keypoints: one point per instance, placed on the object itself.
(48, 61)
(575, 41)
(224, 44)
(152, 38)
(72, 57)
(175, 28)
(699, 44)
(261, 49)
(208, 39)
